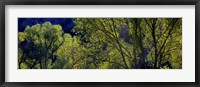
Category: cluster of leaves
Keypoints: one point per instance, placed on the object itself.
(103, 43)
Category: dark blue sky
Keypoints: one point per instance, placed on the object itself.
(66, 23)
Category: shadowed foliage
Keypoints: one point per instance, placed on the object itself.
(100, 43)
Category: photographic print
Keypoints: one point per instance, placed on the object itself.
(99, 43)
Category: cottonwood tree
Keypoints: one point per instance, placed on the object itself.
(38, 45)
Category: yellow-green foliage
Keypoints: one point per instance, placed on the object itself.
(105, 43)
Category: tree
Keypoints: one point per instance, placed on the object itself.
(39, 44)
(103, 43)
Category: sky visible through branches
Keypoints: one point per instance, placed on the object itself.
(99, 43)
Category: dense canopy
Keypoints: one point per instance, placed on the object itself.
(100, 43)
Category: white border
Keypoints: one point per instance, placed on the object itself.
(187, 74)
